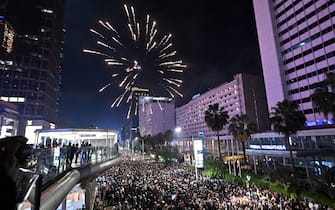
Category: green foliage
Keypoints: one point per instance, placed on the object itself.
(286, 118)
(216, 118)
(241, 129)
(213, 169)
(168, 152)
(159, 146)
(192, 167)
(323, 97)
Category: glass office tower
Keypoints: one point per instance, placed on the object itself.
(30, 72)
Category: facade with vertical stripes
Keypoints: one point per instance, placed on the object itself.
(297, 46)
(243, 95)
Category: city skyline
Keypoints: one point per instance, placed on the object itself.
(214, 42)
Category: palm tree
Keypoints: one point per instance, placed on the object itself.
(216, 118)
(323, 98)
(287, 119)
(241, 129)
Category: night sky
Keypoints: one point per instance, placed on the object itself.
(215, 39)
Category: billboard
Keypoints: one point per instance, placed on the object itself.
(198, 153)
(7, 36)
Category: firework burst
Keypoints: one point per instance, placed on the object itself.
(139, 58)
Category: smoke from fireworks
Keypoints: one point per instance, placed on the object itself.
(138, 57)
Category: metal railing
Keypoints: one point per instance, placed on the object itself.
(50, 164)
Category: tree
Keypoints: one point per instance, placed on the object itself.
(241, 129)
(287, 119)
(168, 136)
(323, 98)
(216, 118)
(159, 144)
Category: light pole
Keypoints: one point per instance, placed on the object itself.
(248, 178)
(177, 131)
(142, 148)
(132, 140)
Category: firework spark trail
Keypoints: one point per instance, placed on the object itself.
(127, 12)
(165, 48)
(112, 28)
(104, 87)
(138, 31)
(97, 33)
(170, 93)
(95, 52)
(171, 82)
(105, 45)
(160, 105)
(126, 55)
(104, 25)
(133, 36)
(129, 110)
(119, 99)
(175, 70)
(176, 91)
(117, 41)
(136, 108)
(147, 26)
(124, 80)
(167, 55)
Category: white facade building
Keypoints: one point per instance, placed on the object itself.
(243, 95)
(297, 46)
(156, 115)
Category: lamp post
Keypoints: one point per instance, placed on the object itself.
(177, 131)
(142, 148)
(248, 178)
(132, 140)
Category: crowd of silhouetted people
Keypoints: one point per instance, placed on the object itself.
(147, 184)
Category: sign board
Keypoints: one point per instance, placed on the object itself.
(7, 34)
(198, 153)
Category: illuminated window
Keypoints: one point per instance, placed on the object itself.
(20, 99)
(48, 11)
(12, 99)
(4, 98)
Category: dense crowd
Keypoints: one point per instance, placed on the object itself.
(146, 184)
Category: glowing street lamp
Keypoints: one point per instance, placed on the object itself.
(177, 130)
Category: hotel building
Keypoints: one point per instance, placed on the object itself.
(30, 71)
(243, 95)
(297, 46)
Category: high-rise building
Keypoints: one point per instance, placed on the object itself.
(130, 130)
(9, 119)
(297, 46)
(243, 95)
(156, 115)
(30, 72)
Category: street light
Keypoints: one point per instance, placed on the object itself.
(248, 178)
(142, 148)
(177, 131)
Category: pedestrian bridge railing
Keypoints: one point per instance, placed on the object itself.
(46, 166)
(52, 162)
